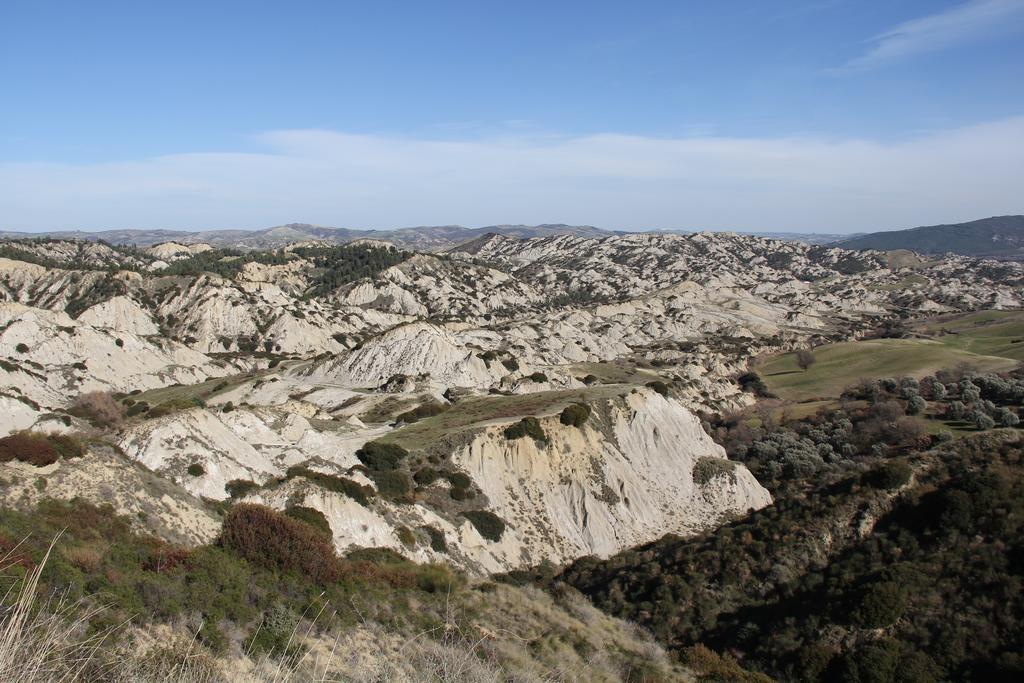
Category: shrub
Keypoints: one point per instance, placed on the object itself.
(490, 525)
(437, 541)
(916, 405)
(805, 359)
(982, 421)
(406, 536)
(137, 409)
(392, 484)
(269, 539)
(891, 475)
(353, 489)
(312, 517)
(575, 415)
(528, 426)
(119, 342)
(228, 407)
(99, 408)
(707, 469)
(590, 379)
(422, 411)
(196, 470)
(539, 377)
(21, 348)
(459, 480)
(1008, 418)
(511, 364)
(239, 488)
(879, 604)
(379, 456)
(38, 449)
(426, 476)
(658, 386)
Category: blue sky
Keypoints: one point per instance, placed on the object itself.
(815, 115)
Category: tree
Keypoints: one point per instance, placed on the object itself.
(982, 421)
(916, 405)
(805, 359)
(1008, 418)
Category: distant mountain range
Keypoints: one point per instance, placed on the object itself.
(423, 238)
(999, 237)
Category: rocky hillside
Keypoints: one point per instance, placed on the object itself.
(506, 403)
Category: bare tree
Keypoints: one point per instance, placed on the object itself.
(805, 358)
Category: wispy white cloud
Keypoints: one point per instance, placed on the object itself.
(969, 22)
(610, 180)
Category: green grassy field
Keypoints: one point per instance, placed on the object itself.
(841, 365)
(989, 333)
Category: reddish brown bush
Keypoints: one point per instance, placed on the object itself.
(99, 408)
(163, 557)
(275, 541)
(39, 449)
(30, 447)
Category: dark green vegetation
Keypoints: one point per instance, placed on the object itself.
(473, 412)
(265, 562)
(224, 262)
(487, 523)
(334, 266)
(576, 415)
(330, 482)
(892, 552)
(997, 237)
(378, 456)
(420, 412)
(339, 265)
(527, 427)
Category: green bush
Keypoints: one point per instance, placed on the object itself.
(196, 470)
(426, 476)
(879, 604)
(891, 475)
(528, 426)
(239, 488)
(312, 517)
(21, 348)
(437, 541)
(490, 525)
(420, 412)
(379, 456)
(138, 408)
(511, 364)
(331, 482)
(459, 480)
(392, 484)
(538, 377)
(707, 469)
(658, 386)
(575, 415)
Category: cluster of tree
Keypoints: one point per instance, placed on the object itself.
(934, 592)
(339, 265)
(224, 262)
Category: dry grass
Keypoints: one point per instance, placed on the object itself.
(516, 634)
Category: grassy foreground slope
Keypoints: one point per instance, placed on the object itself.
(270, 601)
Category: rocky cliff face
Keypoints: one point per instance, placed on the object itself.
(625, 477)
